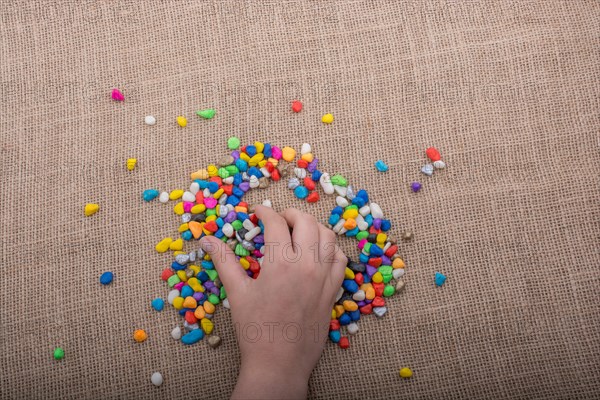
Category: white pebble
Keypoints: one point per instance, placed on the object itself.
(226, 303)
(252, 233)
(206, 193)
(157, 379)
(350, 193)
(342, 202)
(164, 197)
(267, 203)
(149, 120)
(176, 333)
(364, 211)
(293, 183)
(192, 256)
(172, 295)
(182, 259)
(247, 224)
(190, 327)
(427, 170)
(300, 173)
(254, 182)
(339, 226)
(228, 180)
(227, 230)
(380, 311)
(341, 190)
(339, 295)
(439, 164)
(376, 211)
(186, 217)
(352, 328)
(361, 223)
(305, 149)
(359, 295)
(194, 188)
(265, 172)
(326, 184)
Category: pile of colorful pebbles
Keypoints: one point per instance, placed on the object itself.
(214, 205)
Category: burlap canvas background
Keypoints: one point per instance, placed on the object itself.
(507, 90)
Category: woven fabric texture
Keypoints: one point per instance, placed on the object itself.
(507, 90)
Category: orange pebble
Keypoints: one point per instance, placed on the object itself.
(190, 302)
(350, 224)
(209, 307)
(140, 335)
(196, 228)
(398, 263)
(199, 313)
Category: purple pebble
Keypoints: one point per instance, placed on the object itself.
(367, 301)
(235, 154)
(215, 290)
(361, 303)
(377, 223)
(415, 186)
(198, 296)
(312, 166)
(249, 273)
(209, 285)
(371, 270)
(245, 186)
(385, 260)
(260, 239)
(231, 216)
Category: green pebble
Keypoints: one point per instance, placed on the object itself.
(237, 224)
(388, 290)
(387, 278)
(213, 298)
(232, 169)
(241, 251)
(351, 207)
(233, 143)
(362, 235)
(223, 173)
(211, 211)
(367, 248)
(212, 274)
(339, 180)
(385, 269)
(173, 280)
(209, 113)
(59, 353)
(223, 294)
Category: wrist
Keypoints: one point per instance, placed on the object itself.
(269, 379)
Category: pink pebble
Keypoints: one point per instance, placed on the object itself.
(362, 243)
(210, 202)
(117, 95)
(179, 285)
(258, 254)
(276, 152)
(187, 206)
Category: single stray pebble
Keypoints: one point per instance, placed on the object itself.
(327, 119)
(140, 335)
(407, 236)
(117, 95)
(296, 106)
(415, 186)
(90, 209)
(209, 113)
(106, 278)
(131, 162)
(157, 379)
(176, 333)
(182, 121)
(214, 341)
(405, 373)
(233, 143)
(440, 279)
(59, 353)
(399, 286)
(352, 328)
(158, 304)
(381, 166)
(149, 120)
(427, 169)
(164, 197)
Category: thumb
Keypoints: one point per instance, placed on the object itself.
(230, 271)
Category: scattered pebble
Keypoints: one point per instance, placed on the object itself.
(106, 278)
(440, 279)
(158, 304)
(405, 373)
(150, 194)
(433, 154)
(327, 118)
(427, 169)
(407, 236)
(296, 106)
(415, 186)
(149, 120)
(214, 341)
(140, 335)
(131, 162)
(209, 113)
(117, 95)
(182, 121)
(91, 209)
(59, 353)
(439, 164)
(233, 143)
(381, 166)
(164, 197)
(157, 379)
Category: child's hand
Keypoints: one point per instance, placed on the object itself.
(282, 317)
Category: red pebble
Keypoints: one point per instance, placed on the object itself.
(243, 204)
(302, 163)
(313, 197)
(344, 342)
(296, 106)
(375, 231)
(243, 149)
(378, 288)
(254, 265)
(309, 183)
(199, 197)
(391, 251)
(359, 278)
(275, 175)
(166, 274)
(227, 189)
(270, 167)
(254, 219)
(433, 154)
(211, 226)
(334, 325)
(378, 302)
(366, 309)
(255, 275)
(217, 179)
(190, 317)
(375, 262)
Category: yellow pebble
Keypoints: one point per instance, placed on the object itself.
(351, 213)
(260, 146)
(348, 273)
(200, 174)
(245, 157)
(377, 277)
(381, 238)
(131, 163)
(178, 303)
(176, 253)
(176, 245)
(182, 121)
(308, 157)
(182, 276)
(176, 194)
(333, 314)
(398, 263)
(288, 154)
(245, 264)
(211, 218)
(212, 170)
(190, 302)
(198, 208)
(178, 209)
(255, 159)
(370, 293)
(140, 335)
(195, 284)
(183, 228)
(349, 305)
(163, 245)
(207, 325)
(405, 373)
(209, 307)
(218, 193)
(196, 270)
(90, 209)
(274, 161)
(327, 118)
(199, 313)
(262, 163)
(339, 310)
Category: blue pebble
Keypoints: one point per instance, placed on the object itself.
(386, 225)
(363, 193)
(301, 192)
(150, 194)
(208, 264)
(358, 201)
(219, 234)
(316, 175)
(251, 150)
(439, 279)
(350, 285)
(241, 165)
(203, 184)
(376, 251)
(158, 304)
(255, 171)
(268, 151)
(352, 232)
(237, 179)
(366, 278)
(237, 192)
(363, 258)
(337, 210)
(381, 166)
(202, 276)
(369, 220)
(213, 187)
(354, 315)
(335, 336)
(334, 219)
(233, 200)
(106, 278)
(242, 216)
(345, 319)
(176, 266)
(186, 291)
(187, 235)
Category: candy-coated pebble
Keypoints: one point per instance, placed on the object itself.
(296, 106)
(288, 154)
(381, 166)
(440, 279)
(405, 373)
(427, 169)
(140, 335)
(433, 154)
(59, 353)
(193, 336)
(327, 118)
(91, 209)
(117, 95)
(106, 278)
(131, 162)
(176, 194)
(415, 186)
(209, 113)
(156, 379)
(439, 164)
(158, 304)
(182, 121)
(163, 245)
(233, 143)
(149, 120)
(150, 194)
